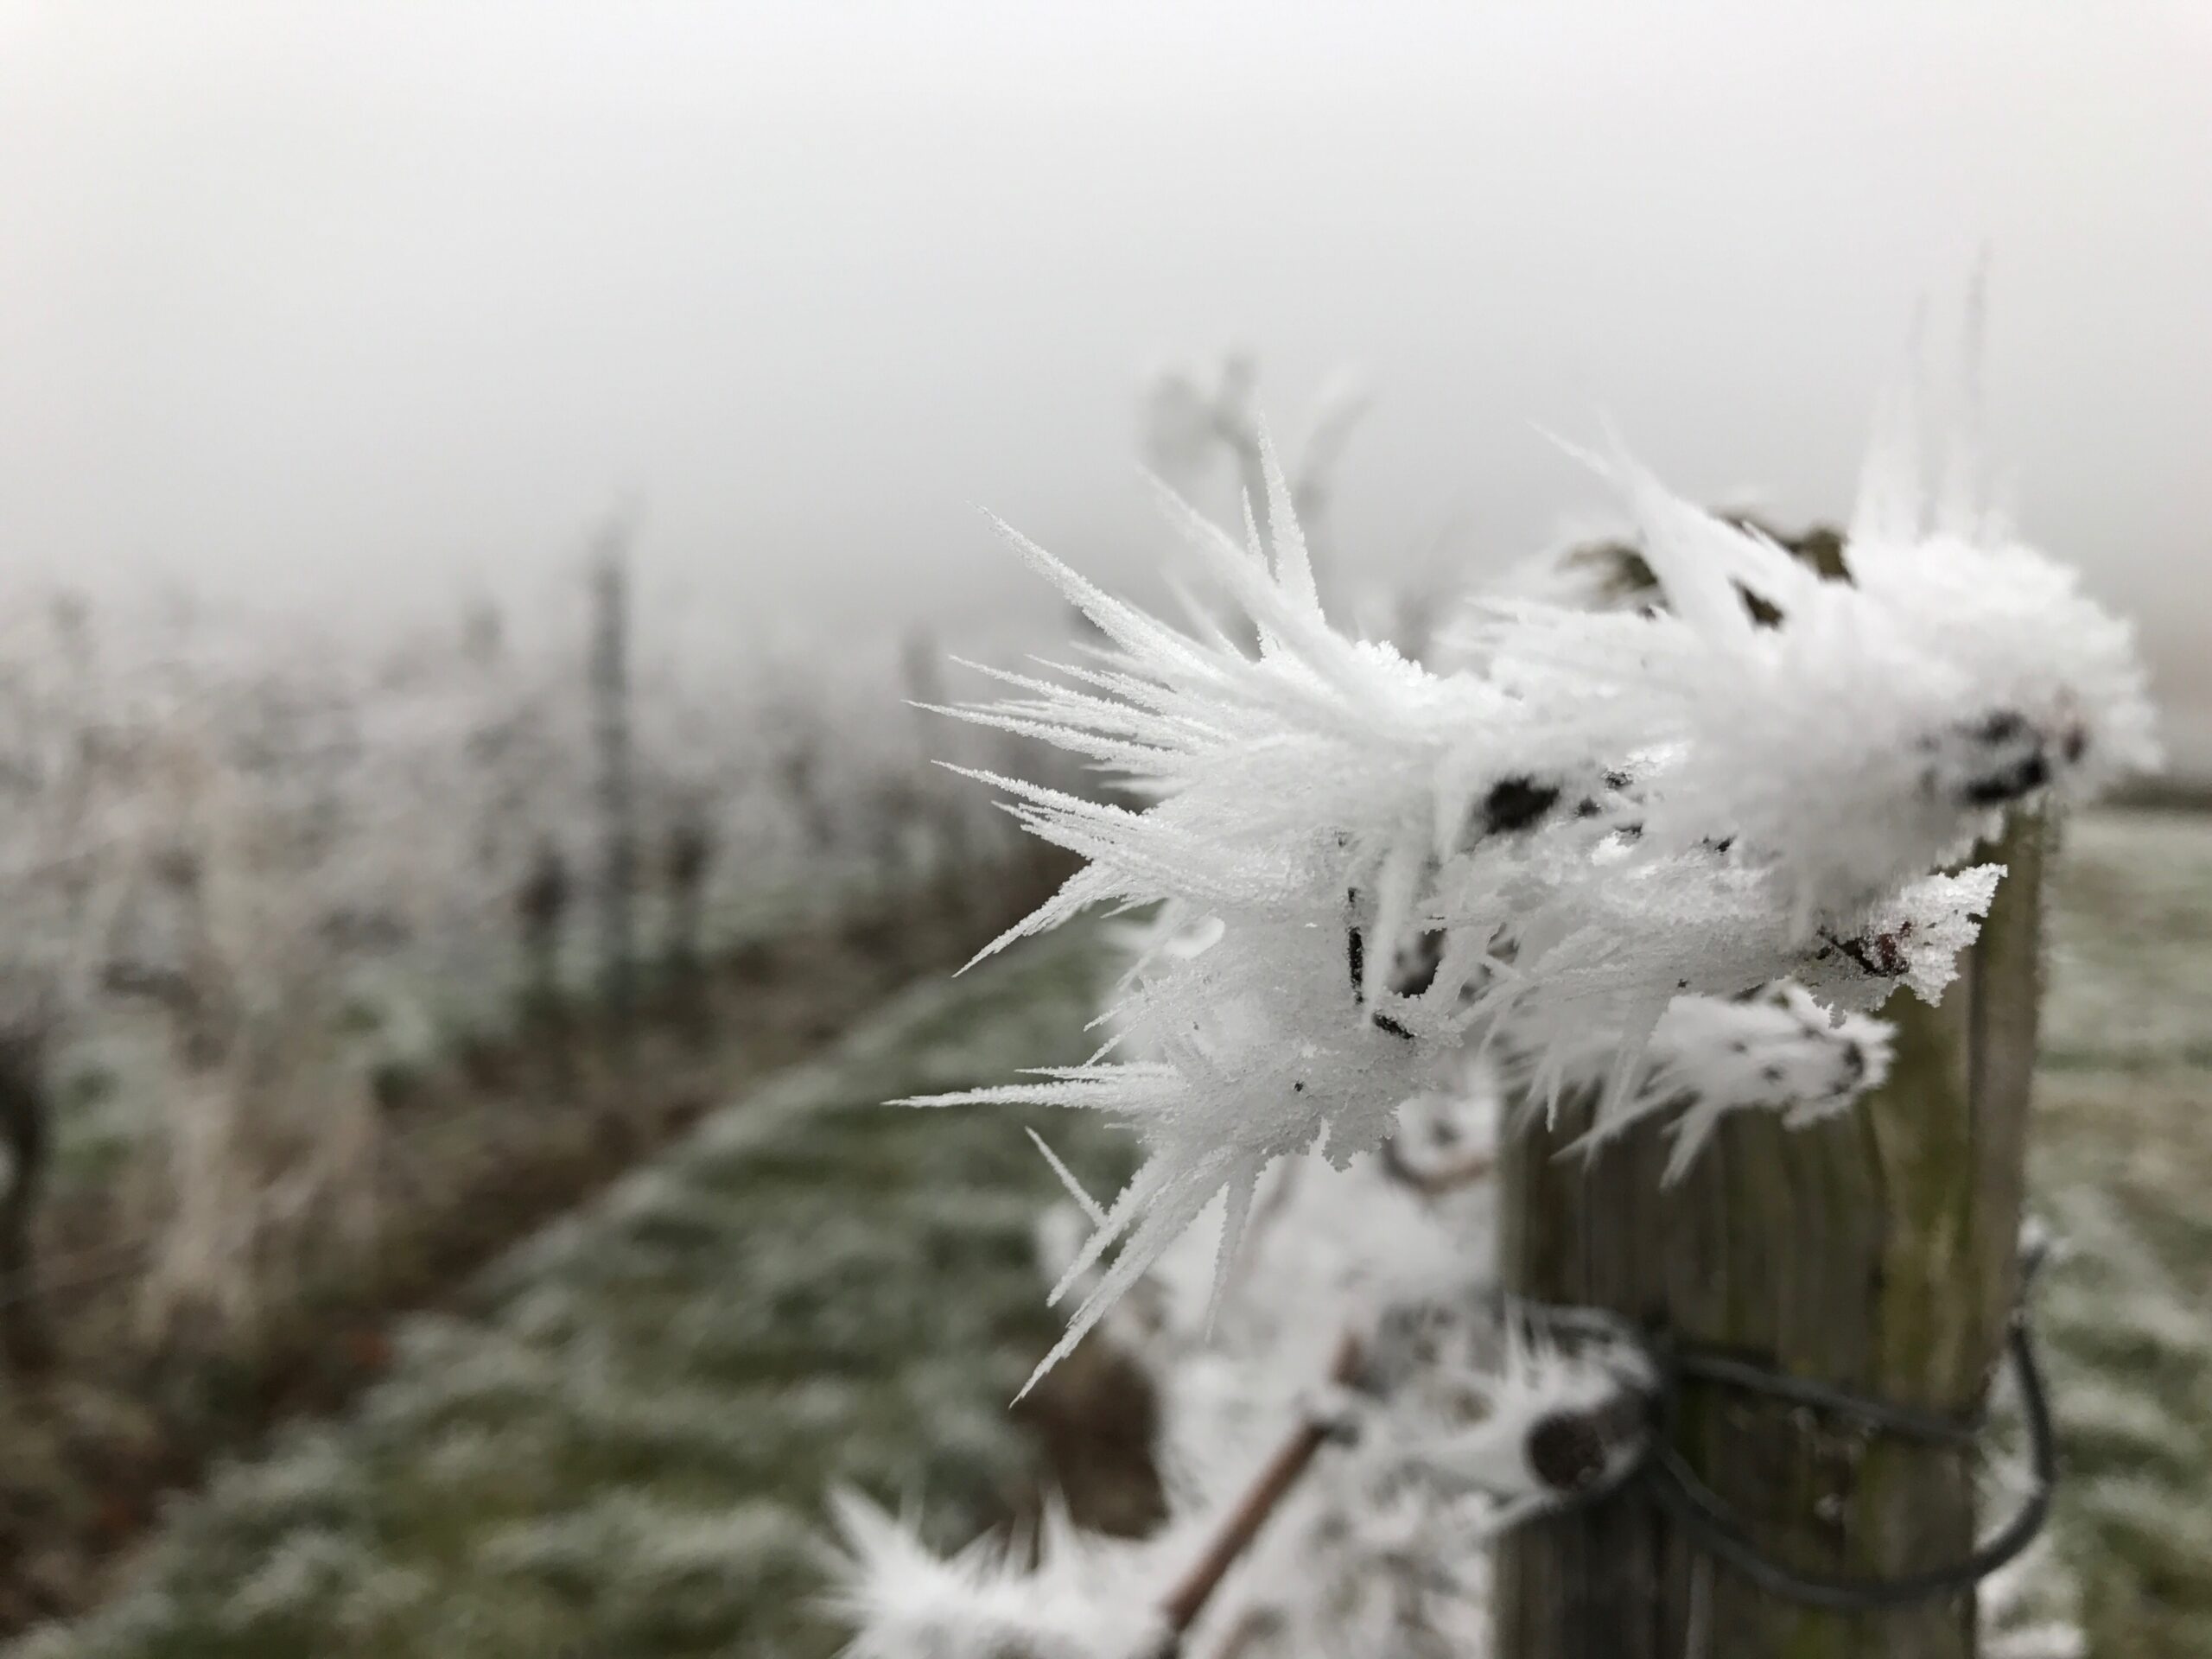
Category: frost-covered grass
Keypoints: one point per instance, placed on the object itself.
(2123, 1166)
(2131, 958)
(616, 1443)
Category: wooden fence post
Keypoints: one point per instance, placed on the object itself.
(1875, 1252)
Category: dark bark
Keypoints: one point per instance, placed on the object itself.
(541, 905)
(27, 1131)
(689, 853)
(610, 694)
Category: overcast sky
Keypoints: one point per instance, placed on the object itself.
(396, 298)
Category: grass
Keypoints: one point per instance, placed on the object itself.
(484, 1140)
(2122, 1165)
(616, 1442)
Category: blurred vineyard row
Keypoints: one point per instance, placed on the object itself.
(331, 965)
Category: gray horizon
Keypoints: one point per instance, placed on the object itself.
(361, 306)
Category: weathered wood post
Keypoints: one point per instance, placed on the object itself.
(1875, 1252)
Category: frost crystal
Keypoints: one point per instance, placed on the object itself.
(1362, 865)
(1710, 1056)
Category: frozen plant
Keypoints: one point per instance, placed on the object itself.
(1708, 1056)
(1669, 856)
(1592, 816)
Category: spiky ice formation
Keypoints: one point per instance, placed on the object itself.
(1372, 864)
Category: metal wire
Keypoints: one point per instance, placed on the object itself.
(1716, 1529)
(1723, 1537)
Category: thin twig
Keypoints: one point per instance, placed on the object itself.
(1189, 1598)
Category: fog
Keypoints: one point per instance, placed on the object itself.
(356, 304)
